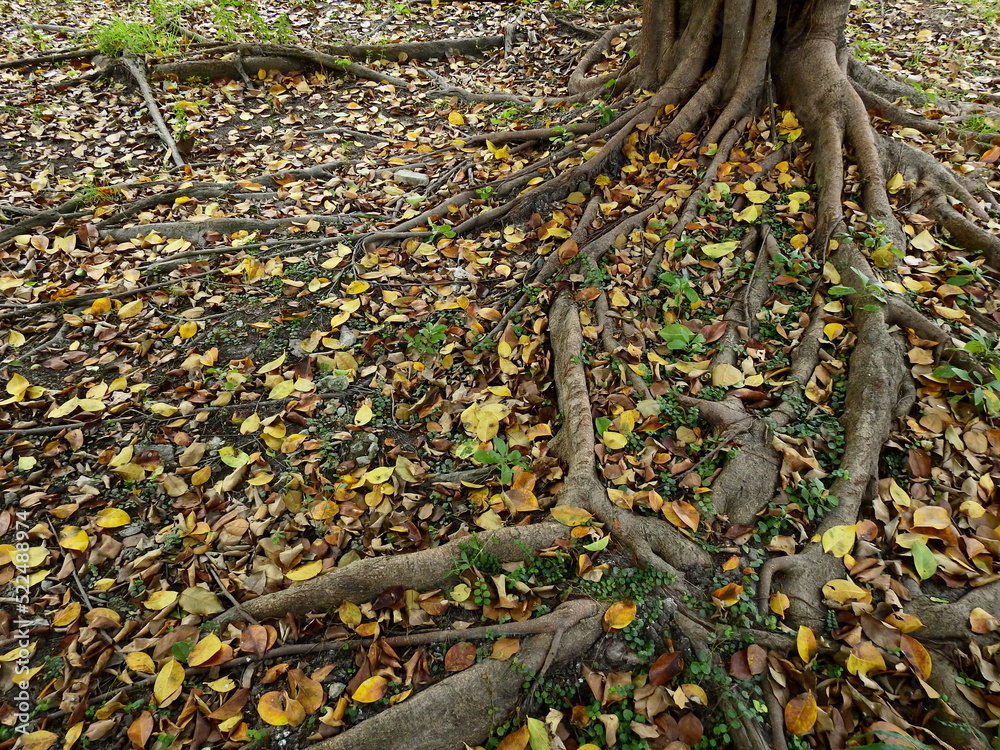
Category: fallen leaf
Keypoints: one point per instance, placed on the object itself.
(916, 655)
(140, 730)
(569, 515)
(805, 642)
(370, 690)
(168, 684)
(800, 714)
(459, 657)
(619, 615)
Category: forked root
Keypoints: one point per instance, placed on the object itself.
(465, 707)
(651, 540)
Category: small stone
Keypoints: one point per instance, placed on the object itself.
(332, 383)
(364, 446)
(409, 177)
(168, 455)
(335, 690)
(347, 337)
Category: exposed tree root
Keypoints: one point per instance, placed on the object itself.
(579, 81)
(429, 50)
(466, 706)
(964, 233)
(882, 85)
(653, 542)
(690, 208)
(366, 579)
(686, 70)
(64, 211)
(748, 480)
(951, 621)
(609, 341)
(889, 111)
(873, 388)
(78, 53)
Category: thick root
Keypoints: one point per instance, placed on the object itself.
(465, 707)
(366, 579)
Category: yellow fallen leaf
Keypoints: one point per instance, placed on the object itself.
(90, 404)
(204, 650)
(865, 658)
(898, 495)
(370, 690)
(569, 515)
(488, 426)
(455, 118)
(779, 603)
(357, 287)
(931, 516)
(270, 709)
(720, 249)
(726, 376)
(250, 424)
(139, 661)
(130, 309)
(619, 615)
(274, 364)
(67, 615)
(924, 241)
(795, 201)
(73, 537)
(364, 415)
(842, 591)
(221, 685)
(805, 643)
(160, 600)
(67, 408)
(800, 714)
(379, 475)
(614, 440)
(839, 540)
(99, 306)
(619, 298)
(112, 518)
(199, 601)
(201, 476)
(40, 739)
(305, 571)
(282, 389)
(749, 214)
(832, 331)
(168, 683)
(905, 623)
(17, 385)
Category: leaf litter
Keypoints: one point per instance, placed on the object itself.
(221, 412)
